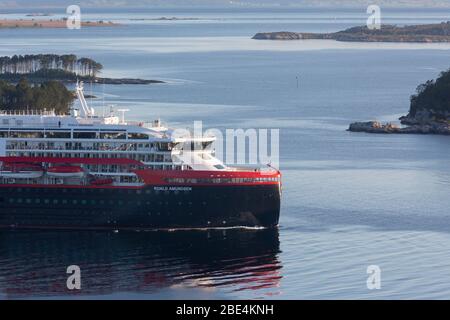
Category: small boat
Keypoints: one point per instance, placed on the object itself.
(66, 172)
(102, 181)
(22, 171)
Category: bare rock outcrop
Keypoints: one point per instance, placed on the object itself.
(431, 127)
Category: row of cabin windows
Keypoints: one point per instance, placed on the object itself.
(222, 180)
(76, 135)
(96, 146)
(87, 202)
(72, 201)
(101, 190)
(138, 157)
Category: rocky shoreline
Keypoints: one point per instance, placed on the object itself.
(125, 81)
(118, 81)
(439, 32)
(412, 126)
(49, 23)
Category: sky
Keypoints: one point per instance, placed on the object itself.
(246, 3)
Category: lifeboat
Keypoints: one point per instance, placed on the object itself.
(22, 171)
(66, 172)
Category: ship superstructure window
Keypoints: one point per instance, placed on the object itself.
(137, 136)
(84, 135)
(26, 134)
(113, 135)
(57, 134)
(164, 146)
(222, 180)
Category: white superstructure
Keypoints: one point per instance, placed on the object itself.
(85, 135)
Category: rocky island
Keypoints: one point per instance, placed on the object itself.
(426, 33)
(49, 23)
(429, 111)
(67, 68)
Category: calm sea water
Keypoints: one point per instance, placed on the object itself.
(350, 200)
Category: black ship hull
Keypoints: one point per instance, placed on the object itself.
(150, 207)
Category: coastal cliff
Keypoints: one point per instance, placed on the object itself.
(429, 111)
(439, 32)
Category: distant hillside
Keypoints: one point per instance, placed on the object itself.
(432, 100)
(388, 33)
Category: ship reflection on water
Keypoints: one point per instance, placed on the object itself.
(33, 263)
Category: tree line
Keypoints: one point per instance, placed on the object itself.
(23, 96)
(433, 96)
(29, 64)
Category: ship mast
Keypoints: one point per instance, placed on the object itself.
(87, 111)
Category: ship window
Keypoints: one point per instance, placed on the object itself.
(113, 135)
(164, 146)
(26, 134)
(84, 135)
(58, 134)
(137, 136)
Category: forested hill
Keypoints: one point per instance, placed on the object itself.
(429, 112)
(23, 96)
(40, 68)
(48, 64)
(432, 100)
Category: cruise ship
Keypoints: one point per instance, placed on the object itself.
(82, 170)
